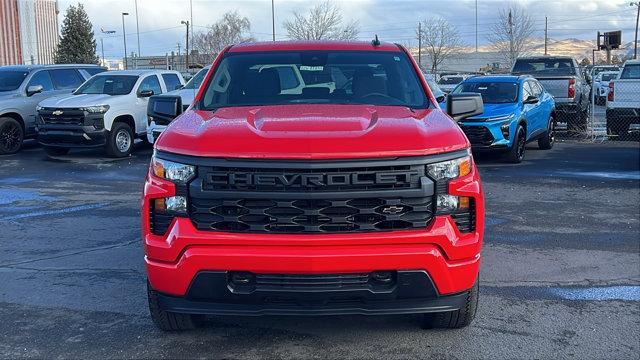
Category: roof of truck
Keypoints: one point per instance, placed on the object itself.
(55, 66)
(313, 45)
(137, 72)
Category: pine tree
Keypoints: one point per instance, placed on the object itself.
(77, 44)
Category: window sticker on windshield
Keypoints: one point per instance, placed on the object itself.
(396, 58)
(311, 68)
(482, 88)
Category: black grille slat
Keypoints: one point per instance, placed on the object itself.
(312, 282)
(478, 135)
(68, 116)
(466, 220)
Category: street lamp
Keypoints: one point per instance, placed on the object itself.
(635, 43)
(187, 49)
(106, 32)
(124, 36)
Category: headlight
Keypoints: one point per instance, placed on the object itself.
(501, 118)
(450, 169)
(38, 108)
(100, 109)
(173, 171)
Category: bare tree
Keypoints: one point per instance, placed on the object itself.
(511, 34)
(440, 41)
(231, 29)
(323, 22)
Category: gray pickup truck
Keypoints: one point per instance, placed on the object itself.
(22, 87)
(562, 77)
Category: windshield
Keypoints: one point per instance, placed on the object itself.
(435, 89)
(492, 92)
(196, 80)
(108, 84)
(630, 71)
(314, 77)
(598, 70)
(552, 67)
(607, 77)
(11, 80)
(450, 80)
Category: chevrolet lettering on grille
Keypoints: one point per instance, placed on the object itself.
(310, 180)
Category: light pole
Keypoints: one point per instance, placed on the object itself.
(106, 32)
(635, 43)
(187, 47)
(124, 36)
(137, 33)
(273, 21)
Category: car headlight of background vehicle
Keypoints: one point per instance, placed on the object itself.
(179, 174)
(99, 109)
(442, 173)
(501, 118)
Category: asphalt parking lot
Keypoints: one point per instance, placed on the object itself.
(560, 274)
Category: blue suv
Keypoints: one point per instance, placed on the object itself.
(517, 110)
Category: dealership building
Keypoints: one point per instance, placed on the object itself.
(28, 31)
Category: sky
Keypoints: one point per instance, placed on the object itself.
(393, 20)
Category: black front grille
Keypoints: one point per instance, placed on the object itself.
(478, 135)
(311, 215)
(62, 116)
(326, 282)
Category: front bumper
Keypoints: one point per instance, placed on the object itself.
(489, 135)
(215, 293)
(449, 258)
(86, 132)
(153, 131)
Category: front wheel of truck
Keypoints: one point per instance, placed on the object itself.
(455, 319)
(168, 321)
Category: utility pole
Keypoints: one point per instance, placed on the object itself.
(546, 37)
(273, 20)
(107, 32)
(124, 38)
(511, 57)
(476, 25)
(420, 45)
(635, 42)
(187, 47)
(137, 33)
(191, 19)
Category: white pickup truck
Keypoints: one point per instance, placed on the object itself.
(109, 110)
(623, 99)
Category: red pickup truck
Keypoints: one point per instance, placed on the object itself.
(354, 194)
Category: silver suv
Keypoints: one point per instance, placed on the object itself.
(22, 87)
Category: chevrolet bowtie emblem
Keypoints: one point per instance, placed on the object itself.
(393, 210)
(58, 112)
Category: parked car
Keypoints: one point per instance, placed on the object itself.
(448, 82)
(187, 92)
(623, 99)
(517, 110)
(436, 91)
(601, 68)
(257, 199)
(601, 86)
(109, 110)
(561, 77)
(22, 87)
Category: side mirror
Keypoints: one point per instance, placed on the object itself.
(441, 98)
(179, 86)
(145, 93)
(34, 89)
(163, 108)
(531, 100)
(463, 105)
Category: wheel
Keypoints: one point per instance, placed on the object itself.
(516, 153)
(120, 140)
(168, 321)
(548, 138)
(56, 151)
(455, 319)
(11, 136)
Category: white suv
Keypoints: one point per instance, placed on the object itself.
(109, 110)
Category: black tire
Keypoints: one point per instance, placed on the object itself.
(56, 151)
(11, 136)
(119, 140)
(516, 153)
(546, 141)
(168, 321)
(455, 319)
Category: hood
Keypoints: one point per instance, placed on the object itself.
(312, 132)
(72, 101)
(496, 110)
(187, 95)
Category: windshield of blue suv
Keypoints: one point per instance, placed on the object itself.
(491, 92)
(108, 84)
(548, 67)
(11, 80)
(314, 77)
